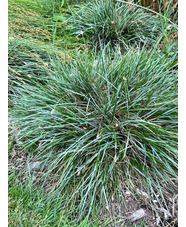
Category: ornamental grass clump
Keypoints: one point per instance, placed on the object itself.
(103, 124)
(115, 22)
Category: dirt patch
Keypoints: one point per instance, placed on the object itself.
(143, 211)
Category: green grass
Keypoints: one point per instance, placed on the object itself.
(170, 30)
(167, 16)
(30, 58)
(28, 207)
(100, 119)
(94, 121)
(32, 37)
(27, 22)
(109, 21)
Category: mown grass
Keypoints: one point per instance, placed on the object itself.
(98, 119)
(28, 207)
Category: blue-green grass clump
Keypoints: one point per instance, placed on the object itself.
(114, 22)
(101, 122)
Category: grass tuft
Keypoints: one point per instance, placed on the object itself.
(115, 22)
(99, 122)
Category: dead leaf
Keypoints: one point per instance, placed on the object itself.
(137, 215)
(35, 165)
